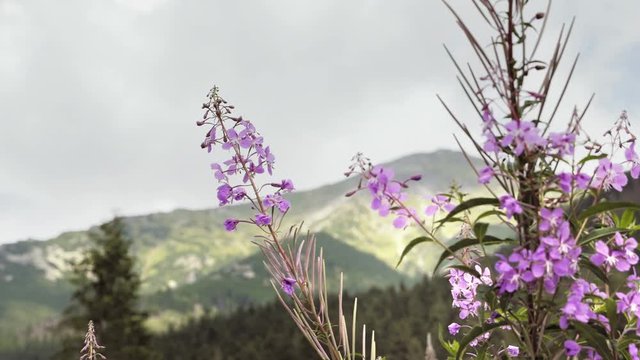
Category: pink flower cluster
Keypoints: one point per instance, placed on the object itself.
(249, 157)
(464, 287)
(556, 257)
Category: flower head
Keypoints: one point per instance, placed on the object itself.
(510, 205)
(288, 285)
(571, 348)
(440, 203)
(263, 219)
(231, 224)
(453, 328)
(522, 135)
(610, 175)
(485, 175)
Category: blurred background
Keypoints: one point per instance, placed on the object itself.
(98, 104)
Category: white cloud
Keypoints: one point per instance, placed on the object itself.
(99, 98)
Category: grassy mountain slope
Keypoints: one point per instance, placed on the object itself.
(187, 253)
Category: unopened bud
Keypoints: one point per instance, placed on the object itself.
(200, 123)
(540, 67)
(350, 193)
(539, 15)
(416, 178)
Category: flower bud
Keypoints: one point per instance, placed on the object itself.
(350, 193)
(539, 15)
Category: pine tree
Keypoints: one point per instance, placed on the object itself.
(107, 294)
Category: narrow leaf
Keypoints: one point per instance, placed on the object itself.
(607, 206)
(595, 339)
(471, 203)
(411, 245)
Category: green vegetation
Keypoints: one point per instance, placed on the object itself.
(401, 318)
(106, 292)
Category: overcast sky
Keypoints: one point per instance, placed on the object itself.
(98, 98)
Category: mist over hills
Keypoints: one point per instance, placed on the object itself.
(189, 264)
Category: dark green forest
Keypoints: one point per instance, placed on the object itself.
(401, 317)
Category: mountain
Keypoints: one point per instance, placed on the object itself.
(189, 264)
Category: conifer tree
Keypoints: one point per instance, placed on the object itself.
(107, 294)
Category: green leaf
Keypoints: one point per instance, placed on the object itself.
(586, 263)
(480, 229)
(466, 242)
(592, 157)
(599, 233)
(411, 245)
(489, 213)
(594, 339)
(471, 203)
(607, 206)
(450, 346)
(628, 218)
(612, 314)
(474, 333)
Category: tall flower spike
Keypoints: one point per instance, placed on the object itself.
(91, 346)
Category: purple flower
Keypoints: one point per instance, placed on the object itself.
(577, 307)
(230, 224)
(218, 173)
(278, 201)
(402, 217)
(565, 181)
(491, 144)
(571, 348)
(508, 276)
(238, 193)
(631, 156)
(611, 258)
(633, 352)
(513, 351)
(592, 354)
(582, 180)
(288, 285)
(550, 218)
(480, 339)
(225, 193)
(286, 185)
(629, 246)
(609, 175)
(440, 203)
(267, 157)
(453, 328)
(523, 135)
(510, 205)
(463, 290)
(628, 303)
(485, 175)
(562, 143)
(263, 219)
(487, 118)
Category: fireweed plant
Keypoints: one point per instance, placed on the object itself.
(562, 285)
(296, 266)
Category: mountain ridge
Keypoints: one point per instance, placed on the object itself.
(179, 248)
